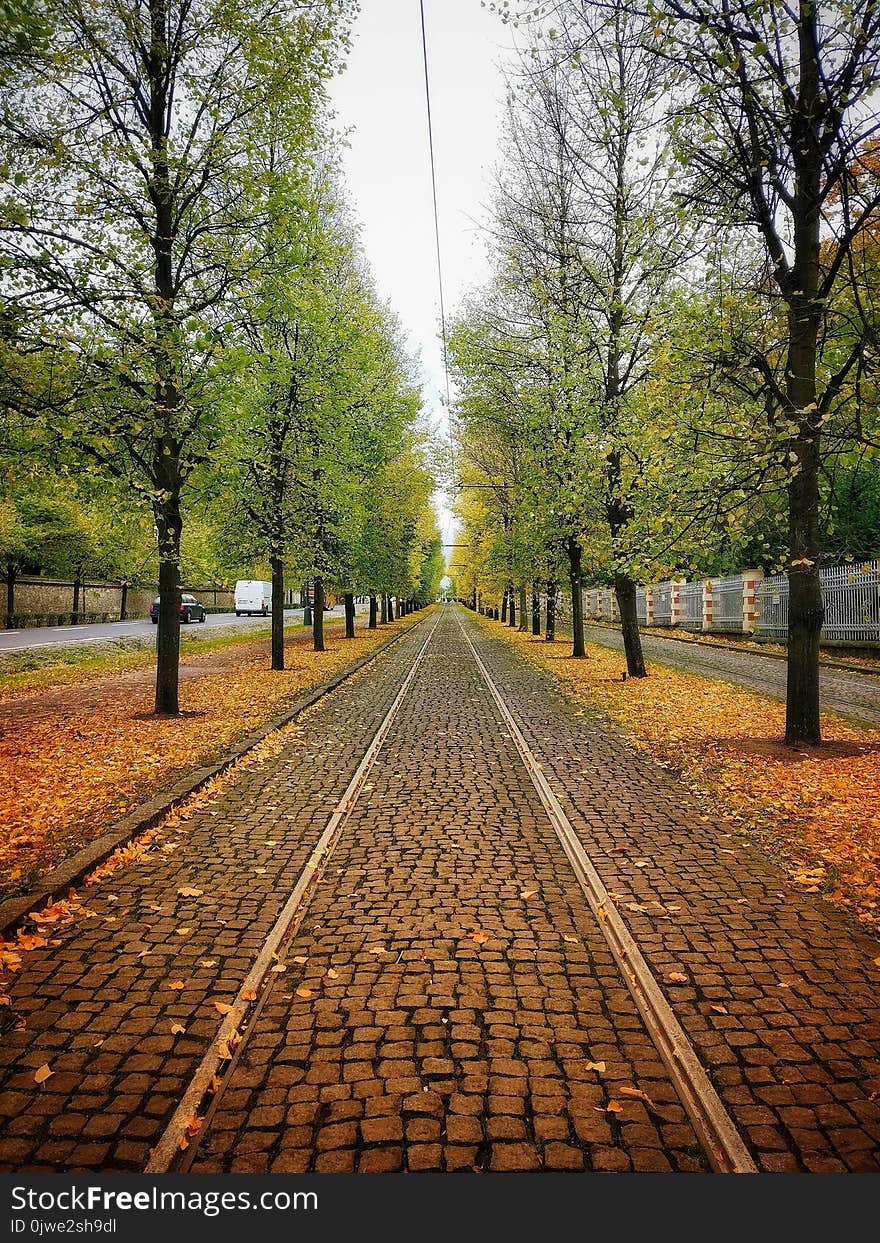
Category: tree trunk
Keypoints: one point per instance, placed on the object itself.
(536, 608)
(805, 607)
(372, 625)
(277, 565)
(123, 603)
(504, 607)
(307, 604)
(511, 604)
(77, 584)
(550, 636)
(11, 576)
(523, 622)
(383, 618)
(318, 625)
(348, 601)
(168, 630)
(573, 548)
(625, 590)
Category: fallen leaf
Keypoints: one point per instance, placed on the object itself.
(570, 940)
(177, 1029)
(480, 937)
(614, 1107)
(207, 962)
(331, 974)
(720, 1009)
(175, 984)
(676, 977)
(599, 1067)
(248, 994)
(183, 932)
(279, 966)
(300, 958)
(222, 1007)
(44, 1073)
(186, 892)
(636, 906)
(302, 991)
(376, 949)
(194, 1125)
(527, 893)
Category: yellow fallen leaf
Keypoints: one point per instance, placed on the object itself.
(186, 892)
(177, 1029)
(676, 977)
(207, 962)
(480, 937)
(302, 991)
(527, 893)
(599, 1067)
(222, 1008)
(175, 984)
(279, 966)
(44, 1073)
(248, 994)
(614, 1107)
(300, 958)
(331, 974)
(183, 932)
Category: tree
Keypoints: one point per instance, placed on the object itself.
(775, 115)
(129, 221)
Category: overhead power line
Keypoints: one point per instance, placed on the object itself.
(434, 194)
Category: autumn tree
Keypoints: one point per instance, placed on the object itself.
(776, 106)
(128, 221)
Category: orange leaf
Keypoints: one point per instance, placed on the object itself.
(44, 1073)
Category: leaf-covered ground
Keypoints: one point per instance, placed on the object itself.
(820, 805)
(76, 757)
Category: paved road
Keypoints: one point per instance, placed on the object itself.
(396, 1038)
(856, 695)
(73, 636)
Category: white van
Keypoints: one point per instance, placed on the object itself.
(252, 596)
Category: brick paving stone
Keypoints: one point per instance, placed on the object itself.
(429, 1048)
(797, 979)
(92, 1003)
(475, 1049)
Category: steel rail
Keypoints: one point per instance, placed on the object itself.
(716, 1130)
(211, 1075)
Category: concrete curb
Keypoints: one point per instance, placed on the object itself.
(55, 883)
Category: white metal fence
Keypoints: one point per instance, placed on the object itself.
(747, 602)
(690, 600)
(727, 604)
(850, 593)
(663, 604)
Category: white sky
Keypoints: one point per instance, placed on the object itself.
(381, 98)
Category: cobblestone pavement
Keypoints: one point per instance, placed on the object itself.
(854, 694)
(100, 1006)
(458, 987)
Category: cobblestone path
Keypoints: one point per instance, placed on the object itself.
(458, 1007)
(854, 694)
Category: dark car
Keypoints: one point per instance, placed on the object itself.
(190, 610)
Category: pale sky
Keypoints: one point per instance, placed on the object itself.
(381, 98)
